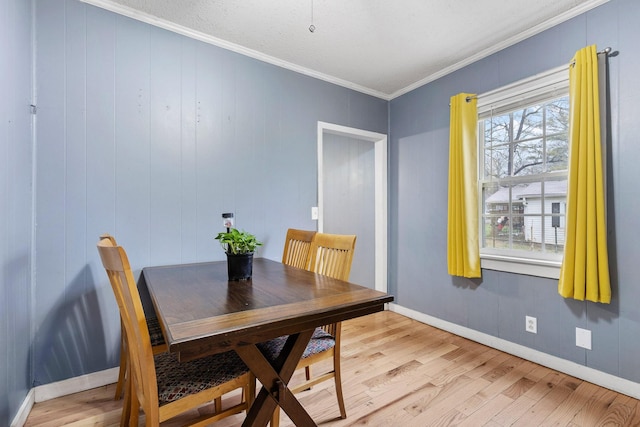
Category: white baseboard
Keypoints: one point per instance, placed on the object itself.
(110, 376)
(21, 417)
(75, 385)
(62, 388)
(591, 375)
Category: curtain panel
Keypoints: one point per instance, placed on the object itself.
(463, 250)
(585, 267)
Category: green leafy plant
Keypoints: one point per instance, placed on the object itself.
(238, 242)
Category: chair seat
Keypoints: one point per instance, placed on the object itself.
(320, 341)
(155, 332)
(177, 380)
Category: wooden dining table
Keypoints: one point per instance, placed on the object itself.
(201, 313)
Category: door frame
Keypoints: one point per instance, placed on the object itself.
(381, 223)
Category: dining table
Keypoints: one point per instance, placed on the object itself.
(201, 312)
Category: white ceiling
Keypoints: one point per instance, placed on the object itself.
(381, 47)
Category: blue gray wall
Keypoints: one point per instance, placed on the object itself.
(15, 205)
(151, 136)
(497, 304)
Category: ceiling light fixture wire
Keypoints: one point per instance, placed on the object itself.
(312, 27)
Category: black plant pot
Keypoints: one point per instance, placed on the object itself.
(239, 266)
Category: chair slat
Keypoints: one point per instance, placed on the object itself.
(296, 248)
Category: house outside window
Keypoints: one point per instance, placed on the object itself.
(523, 158)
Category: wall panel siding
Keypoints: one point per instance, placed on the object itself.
(625, 157)
(132, 139)
(50, 156)
(166, 147)
(498, 303)
(151, 136)
(188, 178)
(15, 206)
(74, 172)
(209, 149)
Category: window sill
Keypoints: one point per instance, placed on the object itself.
(530, 267)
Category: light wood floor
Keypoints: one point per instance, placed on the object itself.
(399, 372)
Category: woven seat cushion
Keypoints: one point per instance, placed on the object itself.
(155, 332)
(320, 341)
(176, 380)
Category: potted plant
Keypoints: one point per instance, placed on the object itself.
(239, 247)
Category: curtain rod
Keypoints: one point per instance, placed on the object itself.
(607, 51)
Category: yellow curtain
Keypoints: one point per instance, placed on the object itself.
(463, 250)
(585, 268)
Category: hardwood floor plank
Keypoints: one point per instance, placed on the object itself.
(520, 406)
(489, 393)
(448, 397)
(541, 410)
(519, 388)
(513, 411)
(506, 381)
(545, 385)
(463, 364)
(595, 407)
(452, 417)
(485, 412)
(570, 407)
(496, 359)
(400, 372)
(394, 374)
(621, 412)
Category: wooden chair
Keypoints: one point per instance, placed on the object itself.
(296, 248)
(329, 255)
(332, 254)
(159, 384)
(155, 333)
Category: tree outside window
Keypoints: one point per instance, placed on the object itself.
(523, 177)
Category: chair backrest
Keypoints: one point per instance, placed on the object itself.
(116, 263)
(332, 254)
(296, 248)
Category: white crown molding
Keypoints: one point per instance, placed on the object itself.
(578, 10)
(179, 29)
(585, 373)
(197, 35)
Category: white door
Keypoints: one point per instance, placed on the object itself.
(352, 196)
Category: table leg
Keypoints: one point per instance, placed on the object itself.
(275, 378)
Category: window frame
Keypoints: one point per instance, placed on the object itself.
(542, 87)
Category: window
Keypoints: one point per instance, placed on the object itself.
(523, 157)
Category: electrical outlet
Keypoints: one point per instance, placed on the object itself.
(583, 338)
(531, 324)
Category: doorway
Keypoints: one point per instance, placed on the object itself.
(352, 196)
